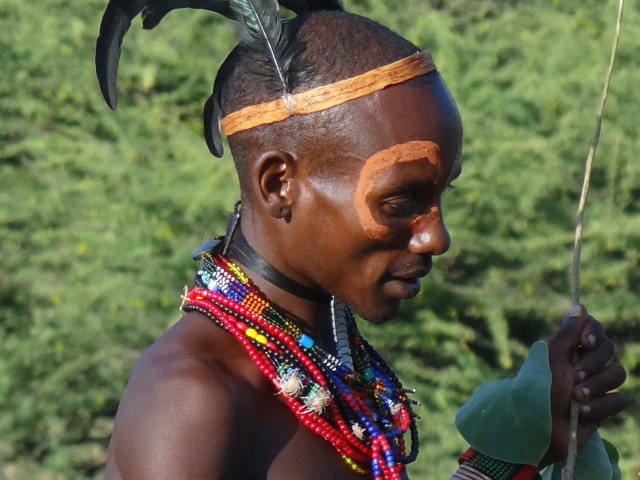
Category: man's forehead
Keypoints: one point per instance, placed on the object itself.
(389, 119)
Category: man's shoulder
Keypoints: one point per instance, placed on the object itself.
(192, 389)
(194, 364)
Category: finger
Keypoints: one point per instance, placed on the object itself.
(593, 361)
(602, 407)
(586, 429)
(610, 378)
(569, 334)
(592, 334)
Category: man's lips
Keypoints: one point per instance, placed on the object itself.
(404, 281)
(410, 272)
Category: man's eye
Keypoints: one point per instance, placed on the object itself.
(400, 207)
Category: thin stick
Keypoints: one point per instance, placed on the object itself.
(567, 472)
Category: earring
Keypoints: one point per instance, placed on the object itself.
(232, 226)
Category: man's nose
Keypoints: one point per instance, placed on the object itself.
(429, 234)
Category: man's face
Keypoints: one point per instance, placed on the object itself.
(372, 225)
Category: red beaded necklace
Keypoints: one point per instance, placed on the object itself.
(362, 411)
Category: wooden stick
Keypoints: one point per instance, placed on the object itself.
(567, 471)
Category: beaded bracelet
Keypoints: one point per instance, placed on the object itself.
(497, 469)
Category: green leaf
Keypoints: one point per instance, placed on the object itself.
(614, 458)
(597, 460)
(510, 419)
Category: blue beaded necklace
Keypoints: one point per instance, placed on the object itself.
(361, 409)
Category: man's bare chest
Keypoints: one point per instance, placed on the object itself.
(282, 448)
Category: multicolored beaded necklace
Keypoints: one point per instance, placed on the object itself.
(362, 411)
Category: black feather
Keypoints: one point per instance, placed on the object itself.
(212, 133)
(116, 21)
(301, 6)
(115, 24)
(213, 106)
(263, 33)
(155, 10)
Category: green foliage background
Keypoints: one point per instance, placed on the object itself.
(99, 211)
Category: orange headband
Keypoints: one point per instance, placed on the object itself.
(328, 96)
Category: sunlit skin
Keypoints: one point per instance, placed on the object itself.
(196, 407)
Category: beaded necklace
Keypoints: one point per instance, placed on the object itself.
(363, 412)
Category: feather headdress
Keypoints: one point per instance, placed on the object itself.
(263, 33)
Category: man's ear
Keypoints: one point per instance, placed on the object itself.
(274, 175)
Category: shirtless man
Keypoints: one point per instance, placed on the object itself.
(345, 204)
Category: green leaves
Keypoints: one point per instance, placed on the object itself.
(597, 460)
(511, 419)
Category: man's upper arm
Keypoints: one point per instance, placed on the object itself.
(183, 424)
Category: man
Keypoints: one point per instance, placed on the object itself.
(266, 375)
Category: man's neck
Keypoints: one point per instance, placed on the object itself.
(313, 318)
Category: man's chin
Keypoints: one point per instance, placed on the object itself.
(379, 313)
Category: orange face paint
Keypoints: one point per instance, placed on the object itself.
(374, 171)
